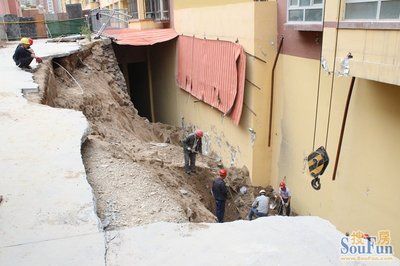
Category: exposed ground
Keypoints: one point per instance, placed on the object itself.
(134, 167)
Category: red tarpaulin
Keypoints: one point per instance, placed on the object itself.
(140, 37)
(214, 72)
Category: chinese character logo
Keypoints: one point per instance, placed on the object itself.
(361, 246)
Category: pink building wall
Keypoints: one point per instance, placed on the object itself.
(10, 7)
(4, 8)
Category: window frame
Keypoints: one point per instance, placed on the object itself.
(158, 11)
(133, 9)
(378, 11)
(304, 8)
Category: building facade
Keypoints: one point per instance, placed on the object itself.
(303, 85)
(12, 7)
(325, 45)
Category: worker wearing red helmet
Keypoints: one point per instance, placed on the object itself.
(220, 193)
(192, 145)
(24, 55)
(285, 195)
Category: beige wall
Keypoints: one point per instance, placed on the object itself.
(364, 195)
(114, 4)
(182, 4)
(256, 32)
(163, 73)
(376, 53)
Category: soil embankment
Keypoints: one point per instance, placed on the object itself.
(134, 167)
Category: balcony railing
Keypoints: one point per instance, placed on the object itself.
(109, 18)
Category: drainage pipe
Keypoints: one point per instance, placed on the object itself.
(271, 105)
(346, 110)
(153, 118)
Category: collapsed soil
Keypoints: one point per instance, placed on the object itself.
(134, 167)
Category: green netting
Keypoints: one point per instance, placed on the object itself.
(65, 27)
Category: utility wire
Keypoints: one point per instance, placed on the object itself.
(333, 76)
(77, 83)
(319, 80)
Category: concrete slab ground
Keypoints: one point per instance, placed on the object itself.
(75, 250)
(47, 216)
(271, 240)
(16, 79)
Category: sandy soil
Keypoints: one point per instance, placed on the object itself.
(134, 167)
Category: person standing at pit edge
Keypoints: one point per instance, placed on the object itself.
(192, 145)
(220, 193)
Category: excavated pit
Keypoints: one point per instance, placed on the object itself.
(134, 167)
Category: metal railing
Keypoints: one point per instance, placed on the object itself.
(133, 9)
(101, 19)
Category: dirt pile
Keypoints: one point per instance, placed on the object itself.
(134, 167)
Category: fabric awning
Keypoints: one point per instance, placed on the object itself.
(213, 72)
(140, 37)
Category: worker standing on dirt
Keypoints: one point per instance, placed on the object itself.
(220, 193)
(285, 195)
(259, 208)
(24, 55)
(192, 145)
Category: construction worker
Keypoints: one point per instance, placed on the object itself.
(24, 55)
(259, 208)
(191, 146)
(220, 193)
(285, 195)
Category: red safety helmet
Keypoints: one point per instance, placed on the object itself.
(282, 184)
(199, 133)
(223, 172)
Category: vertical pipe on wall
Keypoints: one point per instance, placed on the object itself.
(346, 110)
(271, 104)
(150, 84)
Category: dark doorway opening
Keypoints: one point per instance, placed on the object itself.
(139, 88)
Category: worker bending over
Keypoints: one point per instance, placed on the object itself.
(24, 55)
(191, 146)
(260, 206)
(220, 193)
(285, 195)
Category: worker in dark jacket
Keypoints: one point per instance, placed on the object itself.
(191, 146)
(220, 193)
(24, 55)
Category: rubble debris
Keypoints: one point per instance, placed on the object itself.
(134, 167)
(183, 191)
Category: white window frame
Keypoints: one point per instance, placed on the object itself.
(133, 9)
(304, 8)
(378, 10)
(161, 14)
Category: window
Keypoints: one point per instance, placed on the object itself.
(305, 11)
(372, 9)
(133, 9)
(157, 9)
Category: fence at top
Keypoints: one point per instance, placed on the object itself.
(14, 28)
